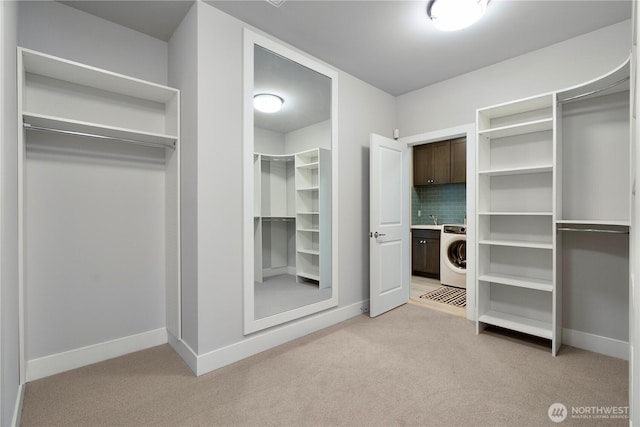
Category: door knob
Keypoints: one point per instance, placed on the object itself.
(376, 234)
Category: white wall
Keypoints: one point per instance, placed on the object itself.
(306, 138)
(94, 243)
(268, 142)
(219, 160)
(9, 338)
(60, 30)
(183, 74)
(453, 102)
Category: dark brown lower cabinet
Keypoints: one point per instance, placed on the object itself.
(425, 253)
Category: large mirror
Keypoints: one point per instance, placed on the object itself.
(290, 185)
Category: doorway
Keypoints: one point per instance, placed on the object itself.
(392, 269)
(441, 195)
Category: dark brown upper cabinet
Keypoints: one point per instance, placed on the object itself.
(443, 162)
(458, 161)
(431, 163)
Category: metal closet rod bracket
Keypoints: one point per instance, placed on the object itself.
(29, 126)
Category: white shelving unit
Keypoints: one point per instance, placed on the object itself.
(548, 166)
(79, 127)
(292, 212)
(313, 213)
(515, 220)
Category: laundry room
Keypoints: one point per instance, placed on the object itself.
(438, 225)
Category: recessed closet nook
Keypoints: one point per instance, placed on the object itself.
(554, 215)
(292, 227)
(99, 212)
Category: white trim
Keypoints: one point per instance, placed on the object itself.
(2, 145)
(596, 343)
(251, 324)
(184, 351)
(263, 341)
(76, 358)
(17, 410)
(469, 131)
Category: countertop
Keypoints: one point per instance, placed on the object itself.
(427, 227)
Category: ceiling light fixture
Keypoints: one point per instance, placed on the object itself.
(267, 102)
(452, 15)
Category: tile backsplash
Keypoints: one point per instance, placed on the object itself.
(448, 202)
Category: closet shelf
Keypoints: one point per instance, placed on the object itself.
(313, 165)
(504, 213)
(85, 75)
(308, 276)
(518, 129)
(42, 122)
(517, 171)
(309, 251)
(613, 222)
(518, 281)
(522, 106)
(309, 213)
(517, 244)
(309, 230)
(312, 188)
(517, 323)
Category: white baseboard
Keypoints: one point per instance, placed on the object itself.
(185, 352)
(17, 411)
(596, 343)
(262, 341)
(76, 358)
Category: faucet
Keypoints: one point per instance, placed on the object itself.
(435, 219)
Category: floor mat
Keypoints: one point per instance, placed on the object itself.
(448, 295)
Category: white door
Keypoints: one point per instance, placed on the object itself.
(389, 224)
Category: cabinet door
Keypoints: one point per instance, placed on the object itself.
(418, 255)
(440, 162)
(459, 160)
(432, 260)
(421, 161)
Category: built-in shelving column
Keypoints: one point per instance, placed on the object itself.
(312, 213)
(515, 217)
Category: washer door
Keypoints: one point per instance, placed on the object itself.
(456, 255)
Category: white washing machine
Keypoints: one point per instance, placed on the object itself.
(453, 255)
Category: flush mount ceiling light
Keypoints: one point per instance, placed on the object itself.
(267, 102)
(452, 15)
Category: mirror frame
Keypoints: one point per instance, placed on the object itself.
(251, 324)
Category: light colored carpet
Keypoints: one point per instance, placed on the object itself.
(409, 367)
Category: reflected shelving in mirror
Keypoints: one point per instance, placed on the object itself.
(290, 154)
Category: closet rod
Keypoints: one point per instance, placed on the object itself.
(277, 159)
(582, 95)
(29, 126)
(593, 230)
(277, 219)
